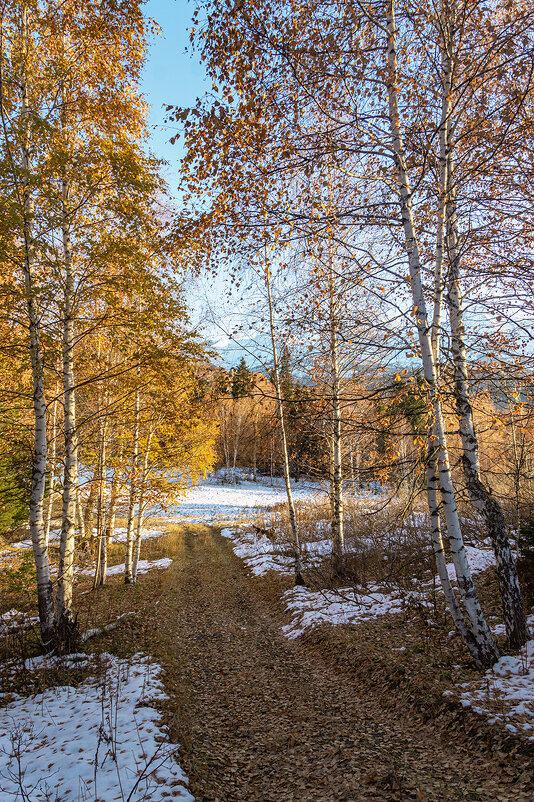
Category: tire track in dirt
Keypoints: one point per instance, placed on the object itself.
(261, 719)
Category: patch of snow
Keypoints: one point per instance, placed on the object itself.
(211, 502)
(505, 695)
(99, 741)
(119, 537)
(310, 608)
(480, 558)
(500, 629)
(43, 661)
(261, 554)
(142, 567)
(146, 534)
(13, 620)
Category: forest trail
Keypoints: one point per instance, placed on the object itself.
(261, 719)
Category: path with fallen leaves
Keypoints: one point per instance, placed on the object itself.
(261, 719)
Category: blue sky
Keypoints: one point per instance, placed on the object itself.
(171, 76)
(174, 77)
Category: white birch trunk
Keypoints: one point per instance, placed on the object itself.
(37, 527)
(102, 550)
(439, 552)
(141, 509)
(483, 648)
(112, 514)
(338, 535)
(480, 495)
(128, 578)
(79, 511)
(88, 516)
(70, 477)
(52, 467)
(255, 447)
(432, 480)
(280, 408)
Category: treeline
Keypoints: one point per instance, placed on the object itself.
(369, 168)
(383, 433)
(99, 399)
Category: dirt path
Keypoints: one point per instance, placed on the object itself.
(261, 719)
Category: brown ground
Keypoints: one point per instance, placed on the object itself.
(261, 718)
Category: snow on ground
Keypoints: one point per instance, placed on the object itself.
(99, 741)
(119, 537)
(310, 609)
(348, 605)
(13, 620)
(213, 502)
(480, 558)
(146, 534)
(260, 554)
(142, 567)
(505, 694)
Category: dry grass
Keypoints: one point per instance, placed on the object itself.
(94, 608)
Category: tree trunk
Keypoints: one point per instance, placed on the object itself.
(140, 509)
(128, 578)
(102, 550)
(79, 512)
(88, 516)
(338, 535)
(110, 525)
(37, 527)
(52, 467)
(70, 477)
(483, 647)
(280, 407)
(480, 495)
(255, 448)
(439, 552)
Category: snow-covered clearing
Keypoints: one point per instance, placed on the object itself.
(99, 741)
(211, 502)
(118, 537)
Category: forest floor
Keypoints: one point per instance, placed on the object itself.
(261, 717)
(263, 707)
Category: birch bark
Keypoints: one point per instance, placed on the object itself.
(128, 578)
(102, 548)
(281, 422)
(89, 512)
(52, 467)
(483, 647)
(480, 495)
(432, 476)
(70, 477)
(113, 502)
(37, 527)
(141, 508)
(338, 536)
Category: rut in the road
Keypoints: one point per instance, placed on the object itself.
(261, 719)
